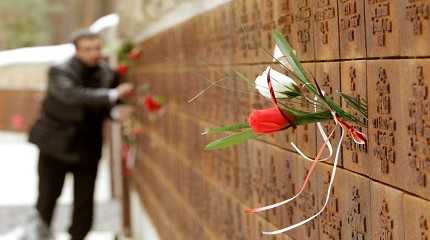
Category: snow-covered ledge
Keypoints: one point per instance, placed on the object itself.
(142, 226)
(142, 19)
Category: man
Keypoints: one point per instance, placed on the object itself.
(81, 94)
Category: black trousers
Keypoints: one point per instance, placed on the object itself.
(52, 173)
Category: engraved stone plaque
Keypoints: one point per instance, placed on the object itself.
(242, 35)
(354, 83)
(352, 29)
(302, 37)
(347, 215)
(331, 220)
(284, 17)
(416, 213)
(415, 28)
(357, 213)
(256, 10)
(383, 27)
(326, 29)
(416, 127)
(328, 77)
(384, 121)
(386, 204)
(268, 23)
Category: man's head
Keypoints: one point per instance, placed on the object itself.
(88, 47)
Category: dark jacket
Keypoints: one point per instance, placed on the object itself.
(76, 103)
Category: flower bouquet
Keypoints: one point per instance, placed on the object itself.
(285, 91)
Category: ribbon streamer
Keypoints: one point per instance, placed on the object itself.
(333, 174)
(275, 102)
(325, 138)
(308, 176)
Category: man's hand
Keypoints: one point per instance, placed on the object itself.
(121, 112)
(124, 90)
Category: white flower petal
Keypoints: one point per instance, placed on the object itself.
(280, 83)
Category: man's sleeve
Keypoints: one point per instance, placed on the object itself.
(113, 112)
(62, 86)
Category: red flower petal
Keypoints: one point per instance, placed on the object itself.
(267, 120)
(122, 69)
(134, 54)
(151, 104)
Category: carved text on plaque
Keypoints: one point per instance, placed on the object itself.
(424, 229)
(385, 126)
(243, 29)
(268, 24)
(303, 20)
(355, 219)
(286, 19)
(417, 11)
(331, 221)
(419, 127)
(349, 144)
(254, 28)
(381, 20)
(386, 223)
(324, 13)
(351, 18)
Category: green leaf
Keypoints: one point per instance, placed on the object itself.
(143, 88)
(231, 140)
(313, 118)
(292, 92)
(287, 50)
(228, 128)
(355, 103)
(160, 99)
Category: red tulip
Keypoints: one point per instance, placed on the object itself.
(122, 69)
(17, 121)
(134, 54)
(268, 120)
(151, 104)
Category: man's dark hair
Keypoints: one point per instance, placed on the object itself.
(82, 34)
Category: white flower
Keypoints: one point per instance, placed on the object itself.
(281, 84)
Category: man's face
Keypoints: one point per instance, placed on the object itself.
(89, 51)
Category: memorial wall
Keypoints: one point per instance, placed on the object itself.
(376, 50)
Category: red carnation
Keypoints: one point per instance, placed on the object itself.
(134, 54)
(268, 120)
(151, 104)
(122, 69)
